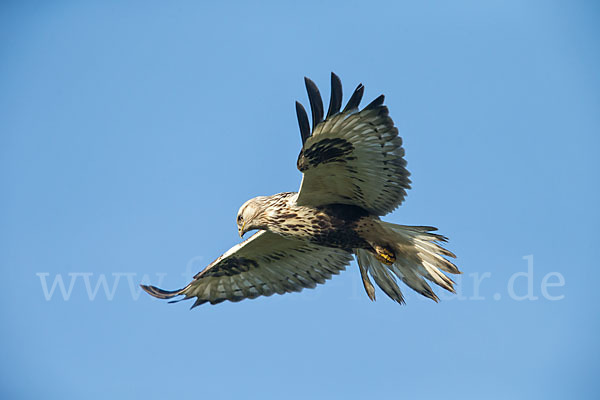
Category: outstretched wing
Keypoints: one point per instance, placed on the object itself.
(264, 264)
(353, 157)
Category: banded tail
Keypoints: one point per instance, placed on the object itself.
(418, 255)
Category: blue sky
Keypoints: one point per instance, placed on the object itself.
(131, 132)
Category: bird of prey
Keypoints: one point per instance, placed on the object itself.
(353, 173)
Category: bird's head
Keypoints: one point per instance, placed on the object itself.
(250, 216)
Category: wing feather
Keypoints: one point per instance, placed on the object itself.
(354, 157)
(316, 103)
(302, 122)
(355, 99)
(264, 264)
(335, 101)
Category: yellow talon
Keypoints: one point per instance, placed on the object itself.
(384, 255)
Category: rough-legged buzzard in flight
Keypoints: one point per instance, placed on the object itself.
(354, 172)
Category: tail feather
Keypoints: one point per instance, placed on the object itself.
(430, 272)
(419, 256)
(386, 281)
(388, 284)
(408, 273)
(364, 264)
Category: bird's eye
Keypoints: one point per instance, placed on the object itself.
(240, 219)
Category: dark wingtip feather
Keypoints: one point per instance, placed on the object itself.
(160, 293)
(197, 303)
(375, 103)
(303, 122)
(316, 103)
(355, 99)
(335, 101)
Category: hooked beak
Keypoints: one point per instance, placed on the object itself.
(242, 231)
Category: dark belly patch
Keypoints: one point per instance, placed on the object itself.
(341, 238)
